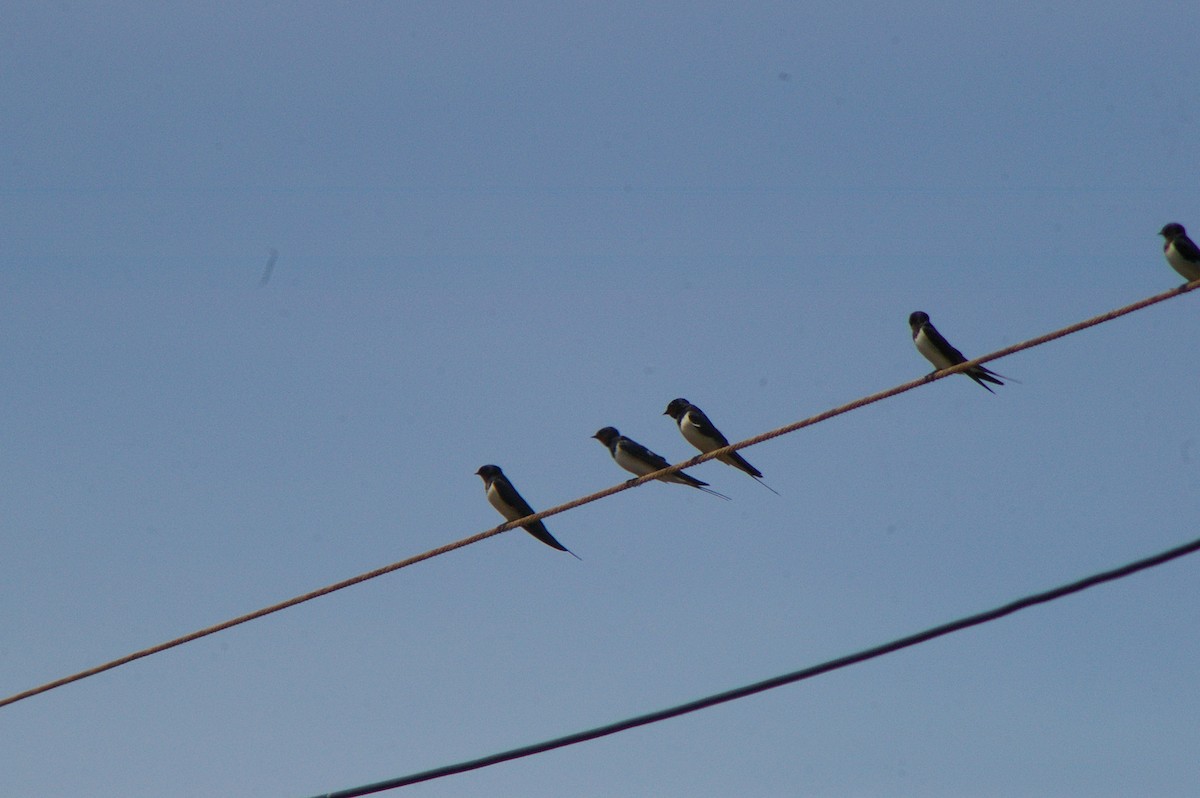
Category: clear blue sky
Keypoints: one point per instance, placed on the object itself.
(502, 227)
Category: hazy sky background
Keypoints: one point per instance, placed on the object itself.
(502, 227)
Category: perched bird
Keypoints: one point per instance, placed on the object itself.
(504, 497)
(938, 351)
(637, 459)
(703, 434)
(1180, 251)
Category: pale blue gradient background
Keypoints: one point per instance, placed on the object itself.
(501, 228)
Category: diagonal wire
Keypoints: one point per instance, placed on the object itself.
(778, 681)
(562, 508)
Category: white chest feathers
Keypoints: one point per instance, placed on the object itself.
(931, 352)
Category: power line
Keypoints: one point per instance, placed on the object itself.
(778, 681)
(561, 508)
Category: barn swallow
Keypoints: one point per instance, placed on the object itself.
(938, 351)
(504, 497)
(1180, 251)
(637, 459)
(704, 435)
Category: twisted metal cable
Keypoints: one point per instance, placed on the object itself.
(562, 508)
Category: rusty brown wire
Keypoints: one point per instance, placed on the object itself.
(562, 508)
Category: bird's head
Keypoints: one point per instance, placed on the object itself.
(677, 408)
(607, 435)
